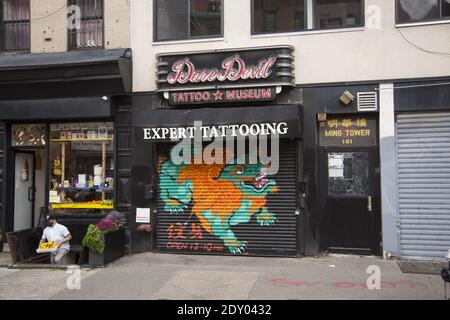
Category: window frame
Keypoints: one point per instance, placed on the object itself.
(71, 46)
(2, 31)
(423, 21)
(189, 38)
(115, 158)
(306, 30)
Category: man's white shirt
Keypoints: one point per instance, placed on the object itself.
(57, 233)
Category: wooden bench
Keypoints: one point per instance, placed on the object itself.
(23, 244)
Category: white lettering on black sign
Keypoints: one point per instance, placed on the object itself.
(221, 131)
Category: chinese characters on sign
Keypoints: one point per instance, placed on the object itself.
(348, 131)
(189, 237)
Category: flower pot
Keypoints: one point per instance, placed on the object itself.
(96, 259)
(114, 249)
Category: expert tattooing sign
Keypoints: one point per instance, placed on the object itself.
(219, 131)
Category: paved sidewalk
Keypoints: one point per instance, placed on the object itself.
(5, 259)
(161, 276)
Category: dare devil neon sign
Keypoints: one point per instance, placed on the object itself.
(224, 76)
(233, 69)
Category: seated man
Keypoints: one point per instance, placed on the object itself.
(59, 234)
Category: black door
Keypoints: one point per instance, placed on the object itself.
(349, 184)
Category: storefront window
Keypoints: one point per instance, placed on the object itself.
(81, 166)
(28, 135)
(187, 19)
(348, 173)
(422, 10)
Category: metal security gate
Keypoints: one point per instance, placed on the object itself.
(423, 142)
(256, 218)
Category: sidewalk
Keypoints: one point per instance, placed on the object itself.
(160, 276)
(5, 259)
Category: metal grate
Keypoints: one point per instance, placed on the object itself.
(88, 30)
(423, 169)
(175, 231)
(14, 25)
(367, 101)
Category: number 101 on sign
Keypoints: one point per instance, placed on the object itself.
(347, 141)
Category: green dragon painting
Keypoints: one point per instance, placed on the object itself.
(221, 196)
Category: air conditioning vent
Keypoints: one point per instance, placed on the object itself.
(367, 101)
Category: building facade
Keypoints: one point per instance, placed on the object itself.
(368, 173)
(65, 69)
(355, 92)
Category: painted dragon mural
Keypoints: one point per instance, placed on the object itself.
(221, 196)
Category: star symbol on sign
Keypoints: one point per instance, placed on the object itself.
(218, 95)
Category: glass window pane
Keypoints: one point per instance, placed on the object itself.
(16, 10)
(81, 166)
(270, 16)
(417, 10)
(206, 18)
(90, 33)
(91, 8)
(331, 14)
(28, 135)
(15, 25)
(171, 19)
(445, 8)
(348, 173)
(182, 19)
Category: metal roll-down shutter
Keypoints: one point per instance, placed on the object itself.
(423, 142)
(182, 232)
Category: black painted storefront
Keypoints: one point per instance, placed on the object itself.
(74, 91)
(82, 86)
(339, 223)
(177, 232)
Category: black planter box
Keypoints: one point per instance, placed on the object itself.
(114, 249)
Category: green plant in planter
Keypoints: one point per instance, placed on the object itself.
(94, 239)
(95, 235)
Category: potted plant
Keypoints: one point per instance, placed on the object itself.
(105, 240)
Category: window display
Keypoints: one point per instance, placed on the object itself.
(81, 166)
(27, 135)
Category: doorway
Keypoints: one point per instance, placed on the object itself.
(24, 190)
(349, 194)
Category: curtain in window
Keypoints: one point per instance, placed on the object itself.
(90, 33)
(16, 25)
(419, 9)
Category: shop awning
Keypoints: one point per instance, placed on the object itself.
(65, 74)
(159, 121)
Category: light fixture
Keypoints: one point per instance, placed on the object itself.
(321, 117)
(105, 98)
(347, 97)
(166, 95)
